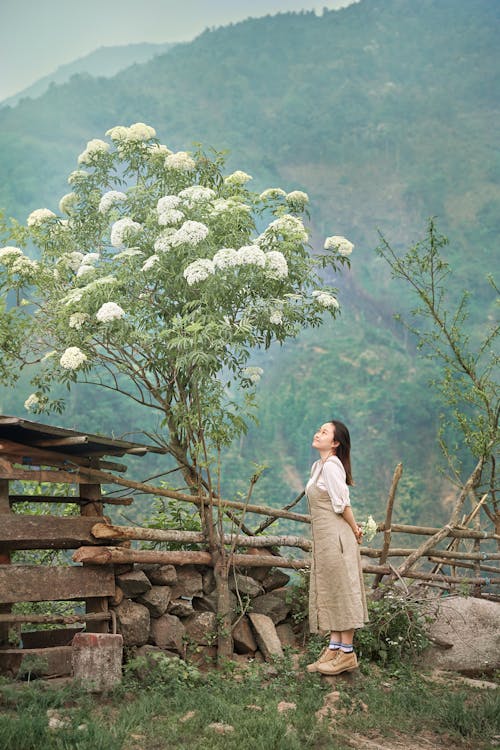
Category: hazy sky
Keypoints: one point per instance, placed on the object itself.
(36, 36)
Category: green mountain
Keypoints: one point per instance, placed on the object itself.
(104, 61)
(383, 112)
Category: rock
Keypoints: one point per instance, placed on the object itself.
(163, 575)
(275, 579)
(133, 583)
(467, 629)
(220, 728)
(97, 661)
(133, 623)
(168, 632)
(156, 600)
(208, 581)
(188, 716)
(117, 599)
(259, 573)
(286, 634)
(245, 585)
(189, 582)
(273, 605)
(57, 720)
(150, 654)
(181, 607)
(201, 628)
(209, 604)
(243, 638)
(329, 708)
(265, 632)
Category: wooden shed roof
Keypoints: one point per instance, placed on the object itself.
(71, 442)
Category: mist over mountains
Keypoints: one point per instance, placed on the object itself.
(104, 61)
(383, 112)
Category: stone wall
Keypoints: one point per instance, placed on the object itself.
(173, 608)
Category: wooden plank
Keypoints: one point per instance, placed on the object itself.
(8, 471)
(4, 555)
(46, 532)
(37, 583)
(49, 638)
(15, 499)
(40, 662)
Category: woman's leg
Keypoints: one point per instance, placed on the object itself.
(346, 637)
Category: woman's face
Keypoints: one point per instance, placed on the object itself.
(324, 438)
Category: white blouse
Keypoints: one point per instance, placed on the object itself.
(330, 476)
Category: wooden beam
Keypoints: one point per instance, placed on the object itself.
(106, 555)
(108, 531)
(14, 499)
(40, 583)
(53, 619)
(418, 575)
(456, 532)
(57, 441)
(46, 532)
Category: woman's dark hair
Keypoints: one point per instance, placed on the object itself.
(343, 451)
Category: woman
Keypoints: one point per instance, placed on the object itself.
(337, 602)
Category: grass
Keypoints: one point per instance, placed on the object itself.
(147, 712)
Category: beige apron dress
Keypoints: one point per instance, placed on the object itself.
(337, 598)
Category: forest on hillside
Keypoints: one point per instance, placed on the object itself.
(383, 114)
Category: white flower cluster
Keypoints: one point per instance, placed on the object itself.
(67, 203)
(167, 202)
(77, 320)
(194, 194)
(73, 260)
(226, 257)
(272, 194)
(339, 244)
(159, 151)
(291, 228)
(369, 528)
(237, 178)
(191, 233)
(109, 199)
(9, 254)
(151, 261)
(181, 161)
(170, 216)
(276, 265)
(223, 205)
(162, 244)
(39, 215)
(253, 373)
(109, 311)
(78, 175)
(137, 132)
(124, 230)
(251, 255)
(199, 270)
(72, 358)
(31, 402)
(297, 200)
(276, 318)
(94, 147)
(325, 299)
(84, 269)
(24, 267)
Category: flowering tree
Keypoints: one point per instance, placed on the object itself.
(160, 282)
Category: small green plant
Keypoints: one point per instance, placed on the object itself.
(160, 671)
(169, 514)
(396, 630)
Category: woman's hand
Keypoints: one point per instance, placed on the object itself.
(358, 534)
